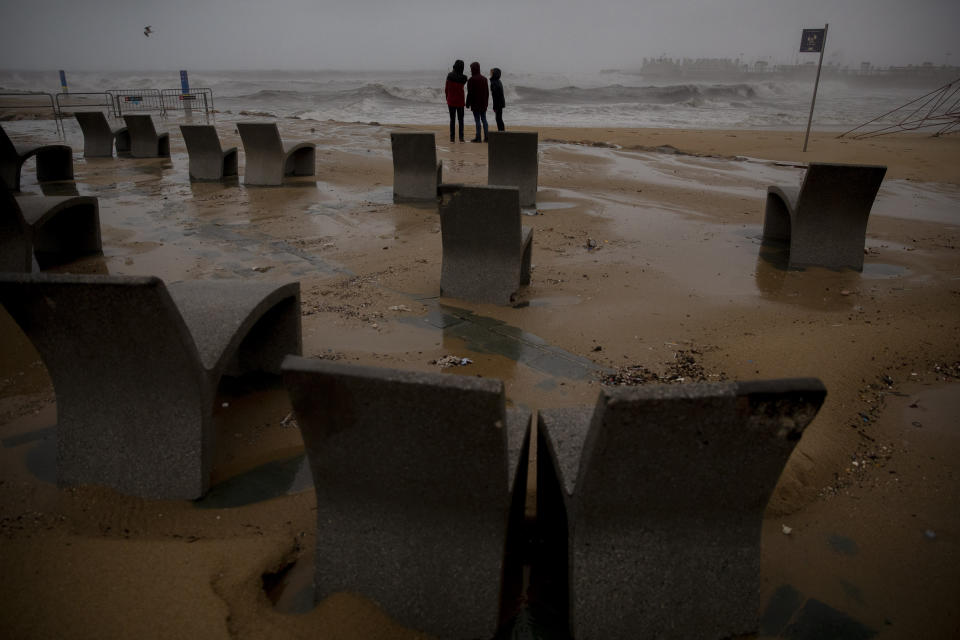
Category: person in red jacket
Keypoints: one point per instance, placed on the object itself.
(455, 99)
(478, 95)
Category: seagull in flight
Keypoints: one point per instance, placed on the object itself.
(147, 31)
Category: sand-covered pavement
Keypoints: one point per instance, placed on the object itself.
(646, 254)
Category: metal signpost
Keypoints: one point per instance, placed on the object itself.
(185, 93)
(811, 41)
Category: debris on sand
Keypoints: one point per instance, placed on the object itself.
(451, 361)
(684, 368)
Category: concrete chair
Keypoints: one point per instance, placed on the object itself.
(486, 251)
(208, 160)
(99, 137)
(653, 500)
(41, 231)
(825, 220)
(416, 172)
(415, 476)
(268, 158)
(145, 142)
(54, 161)
(135, 366)
(512, 161)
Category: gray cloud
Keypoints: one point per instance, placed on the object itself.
(520, 34)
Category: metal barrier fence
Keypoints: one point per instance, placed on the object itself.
(115, 101)
(195, 100)
(31, 100)
(84, 100)
(127, 100)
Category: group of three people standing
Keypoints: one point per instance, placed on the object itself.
(477, 98)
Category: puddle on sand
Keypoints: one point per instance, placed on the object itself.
(483, 335)
(272, 480)
(38, 442)
(813, 287)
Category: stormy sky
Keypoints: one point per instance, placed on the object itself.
(529, 35)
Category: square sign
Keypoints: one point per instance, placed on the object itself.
(812, 40)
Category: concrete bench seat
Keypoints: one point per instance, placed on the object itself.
(416, 172)
(825, 220)
(653, 502)
(486, 251)
(99, 138)
(269, 158)
(145, 141)
(54, 161)
(208, 160)
(135, 366)
(512, 161)
(43, 231)
(416, 475)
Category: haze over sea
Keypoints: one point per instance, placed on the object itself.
(599, 99)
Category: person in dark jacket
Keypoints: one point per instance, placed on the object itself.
(478, 95)
(455, 99)
(496, 94)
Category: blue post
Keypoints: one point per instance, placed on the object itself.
(185, 96)
(63, 82)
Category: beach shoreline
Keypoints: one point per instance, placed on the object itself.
(646, 245)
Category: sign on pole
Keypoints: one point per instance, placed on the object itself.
(185, 92)
(812, 41)
(63, 82)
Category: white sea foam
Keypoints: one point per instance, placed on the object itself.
(609, 99)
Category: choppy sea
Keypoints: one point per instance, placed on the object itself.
(601, 99)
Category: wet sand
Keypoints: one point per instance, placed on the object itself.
(646, 244)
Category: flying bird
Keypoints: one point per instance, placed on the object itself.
(147, 31)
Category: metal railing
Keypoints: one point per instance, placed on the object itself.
(32, 100)
(87, 100)
(127, 100)
(194, 100)
(115, 101)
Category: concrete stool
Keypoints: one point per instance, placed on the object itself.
(208, 160)
(135, 366)
(654, 501)
(54, 161)
(145, 142)
(46, 230)
(415, 476)
(486, 251)
(416, 172)
(268, 158)
(99, 137)
(825, 220)
(512, 161)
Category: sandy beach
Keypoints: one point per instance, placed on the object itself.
(646, 253)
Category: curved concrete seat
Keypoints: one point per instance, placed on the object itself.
(512, 161)
(54, 161)
(416, 172)
(653, 502)
(145, 142)
(268, 158)
(825, 220)
(208, 160)
(47, 230)
(415, 477)
(99, 137)
(135, 366)
(486, 251)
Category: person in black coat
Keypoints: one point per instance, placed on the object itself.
(496, 94)
(478, 97)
